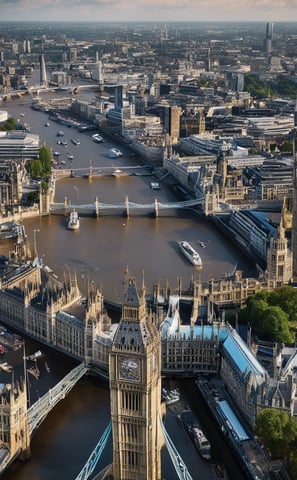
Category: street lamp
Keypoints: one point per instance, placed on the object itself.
(35, 246)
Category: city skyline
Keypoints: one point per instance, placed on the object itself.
(156, 10)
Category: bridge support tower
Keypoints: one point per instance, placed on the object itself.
(90, 175)
(156, 208)
(96, 212)
(44, 203)
(127, 210)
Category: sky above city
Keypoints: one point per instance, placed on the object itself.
(148, 10)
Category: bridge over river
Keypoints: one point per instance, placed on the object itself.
(97, 172)
(42, 407)
(93, 209)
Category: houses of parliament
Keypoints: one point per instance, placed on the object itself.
(149, 340)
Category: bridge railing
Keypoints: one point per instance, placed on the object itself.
(95, 455)
(132, 205)
(40, 409)
(178, 463)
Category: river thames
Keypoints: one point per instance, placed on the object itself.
(100, 251)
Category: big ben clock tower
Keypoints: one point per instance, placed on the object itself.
(135, 392)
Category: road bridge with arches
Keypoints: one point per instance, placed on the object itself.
(94, 209)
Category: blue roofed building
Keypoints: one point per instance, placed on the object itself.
(249, 383)
(218, 349)
(242, 373)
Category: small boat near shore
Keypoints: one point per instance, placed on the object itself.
(155, 186)
(170, 396)
(190, 253)
(117, 172)
(5, 367)
(10, 230)
(195, 432)
(34, 371)
(34, 356)
(73, 221)
(10, 341)
(97, 138)
(115, 153)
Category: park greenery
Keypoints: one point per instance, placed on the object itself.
(9, 124)
(272, 314)
(41, 167)
(279, 86)
(284, 147)
(277, 430)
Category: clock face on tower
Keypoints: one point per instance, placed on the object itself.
(129, 369)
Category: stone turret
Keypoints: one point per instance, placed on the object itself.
(14, 434)
(279, 258)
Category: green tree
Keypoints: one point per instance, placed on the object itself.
(293, 467)
(278, 431)
(255, 304)
(45, 158)
(287, 146)
(262, 89)
(286, 298)
(44, 186)
(9, 124)
(35, 167)
(32, 197)
(273, 325)
(270, 313)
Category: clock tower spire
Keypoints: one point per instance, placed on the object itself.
(135, 391)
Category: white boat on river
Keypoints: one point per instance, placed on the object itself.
(73, 222)
(115, 153)
(190, 253)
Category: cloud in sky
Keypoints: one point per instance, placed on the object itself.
(153, 10)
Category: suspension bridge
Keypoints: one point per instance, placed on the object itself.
(178, 463)
(42, 407)
(126, 206)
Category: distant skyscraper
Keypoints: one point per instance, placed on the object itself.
(26, 46)
(208, 61)
(100, 73)
(118, 97)
(73, 54)
(43, 76)
(171, 122)
(268, 38)
(237, 82)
